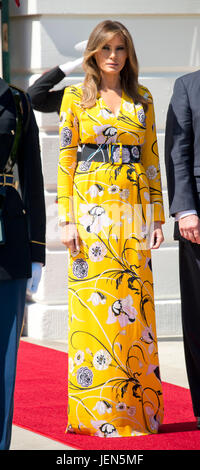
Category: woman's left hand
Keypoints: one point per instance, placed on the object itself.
(157, 236)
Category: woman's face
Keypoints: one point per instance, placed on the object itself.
(112, 56)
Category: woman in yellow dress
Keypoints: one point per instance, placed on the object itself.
(111, 213)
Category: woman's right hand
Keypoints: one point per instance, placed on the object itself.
(70, 237)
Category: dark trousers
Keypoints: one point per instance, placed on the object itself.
(12, 302)
(189, 264)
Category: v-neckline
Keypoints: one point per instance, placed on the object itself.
(115, 115)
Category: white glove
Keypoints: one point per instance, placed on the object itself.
(80, 46)
(68, 67)
(33, 282)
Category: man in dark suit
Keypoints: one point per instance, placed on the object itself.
(22, 234)
(182, 158)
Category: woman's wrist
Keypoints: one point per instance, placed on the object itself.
(62, 223)
(157, 223)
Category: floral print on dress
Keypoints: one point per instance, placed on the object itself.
(65, 137)
(97, 251)
(114, 386)
(105, 134)
(135, 151)
(97, 298)
(102, 360)
(79, 357)
(62, 118)
(151, 172)
(94, 190)
(125, 155)
(95, 217)
(84, 377)
(80, 268)
(84, 166)
(141, 116)
(103, 407)
(105, 429)
(122, 310)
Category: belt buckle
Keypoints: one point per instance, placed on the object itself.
(110, 152)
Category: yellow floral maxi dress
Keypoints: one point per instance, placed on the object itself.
(114, 386)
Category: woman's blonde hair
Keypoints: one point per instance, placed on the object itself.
(103, 32)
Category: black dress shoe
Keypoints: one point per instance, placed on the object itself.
(198, 422)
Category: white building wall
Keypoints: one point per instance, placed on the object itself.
(166, 34)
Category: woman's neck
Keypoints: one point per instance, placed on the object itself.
(110, 82)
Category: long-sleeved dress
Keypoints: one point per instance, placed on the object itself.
(114, 386)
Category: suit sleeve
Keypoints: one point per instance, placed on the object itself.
(179, 152)
(69, 138)
(42, 98)
(32, 188)
(150, 161)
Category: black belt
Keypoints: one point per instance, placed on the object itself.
(115, 153)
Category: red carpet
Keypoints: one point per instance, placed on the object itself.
(40, 406)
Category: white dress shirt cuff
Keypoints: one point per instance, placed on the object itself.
(181, 214)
